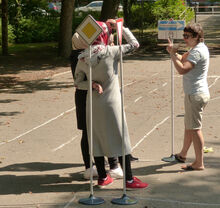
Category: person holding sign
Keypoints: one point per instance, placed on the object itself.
(107, 123)
(78, 45)
(193, 65)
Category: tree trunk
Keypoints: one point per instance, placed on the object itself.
(66, 28)
(126, 13)
(18, 16)
(5, 27)
(127, 4)
(109, 9)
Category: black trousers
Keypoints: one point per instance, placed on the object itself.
(100, 165)
(113, 162)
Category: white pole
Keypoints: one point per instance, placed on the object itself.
(172, 105)
(123, 125)
(90, 123)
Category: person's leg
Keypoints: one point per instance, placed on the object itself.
(131, 182)
(128, 172)
(187, 135)
(115, 170)
(186, 143)
(113, 162)
(104, 179)
(85, 149)
(194, 123)
(100, 165)
(198, 143)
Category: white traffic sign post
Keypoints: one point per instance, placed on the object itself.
(89, 30)
(171, 29)
(124, 200)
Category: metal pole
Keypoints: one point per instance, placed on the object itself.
(124, 200)
(123, 125)
(172, 106)
(172, 157)
(90, 123)
(91, 200)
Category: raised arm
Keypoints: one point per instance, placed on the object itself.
(132, 44)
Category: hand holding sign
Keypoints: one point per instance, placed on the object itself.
(112, 23)
(119, 29)
(171, 48)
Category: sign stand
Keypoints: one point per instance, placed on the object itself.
(172, 157)
(89, 30)
(124, 200)
(172, 29)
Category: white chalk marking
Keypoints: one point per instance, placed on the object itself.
(164, 84)
(64, 144)
(153, 90)
(146, 135)
(130, 83)
(61, 73)
(67, 205)
(138, 99)
(216, 79)
(154, 74)
(37, 127)
(19, 136)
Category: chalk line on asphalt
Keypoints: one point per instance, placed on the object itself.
(216, 79)
(61, 73)
(37, 127)
(147, 134)
(154, 74)
(64, 144)
(19, 136)
(70, 202)
(52, 119)
(130, 83)
(153, 90)
(138, 99)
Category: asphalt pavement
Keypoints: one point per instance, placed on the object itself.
(40, 158)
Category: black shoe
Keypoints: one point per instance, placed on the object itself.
(133, 158)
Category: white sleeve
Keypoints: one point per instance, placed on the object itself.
(132, 43)
(79, 78)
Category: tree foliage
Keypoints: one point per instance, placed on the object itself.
(147, 14)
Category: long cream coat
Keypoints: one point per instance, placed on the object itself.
(107, 116)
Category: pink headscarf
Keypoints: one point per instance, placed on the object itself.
(103, 38)
(98, 47)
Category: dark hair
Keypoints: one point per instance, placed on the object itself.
(195, 29)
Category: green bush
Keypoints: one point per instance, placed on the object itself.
(11, 36)
(167, 9)
(142, 16)
(148, 15)
(41, 29)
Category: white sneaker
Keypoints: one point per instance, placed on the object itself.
(116, 173)
(86, 173)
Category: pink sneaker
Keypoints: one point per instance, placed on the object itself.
(136, 184)
(105, 182)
